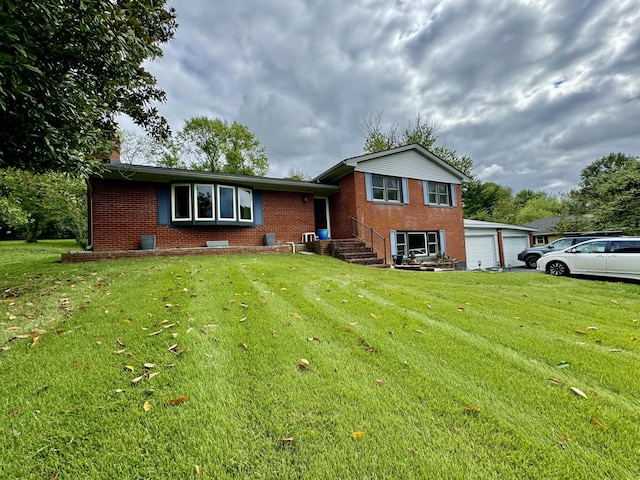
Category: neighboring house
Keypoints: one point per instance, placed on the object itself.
(544, 231)
(407, 195)
(494, 245)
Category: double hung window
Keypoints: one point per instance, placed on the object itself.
(439, 194)
(386, 189)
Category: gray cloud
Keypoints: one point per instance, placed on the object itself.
(532, 90)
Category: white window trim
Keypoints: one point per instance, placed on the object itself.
(173, 202)
(235, 204)
(195, 202)
(250, 192)
(385, 189)
(437, 194)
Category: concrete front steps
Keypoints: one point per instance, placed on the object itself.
(354, 250)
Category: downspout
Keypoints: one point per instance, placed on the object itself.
(89, 247)
(293, 247)
(500, 248)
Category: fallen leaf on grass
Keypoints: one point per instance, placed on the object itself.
(5, 348)
(460, 309)
(303, 364)
(36, 341)
(169, 326)
(581, 332)
(295, 315)
(147, 406)
(19, 337)
(379, 381)
(119, 343)
(555, 381)
(12, 329)
(119, 390)
(578, 392)
(189, 330)
(155, 333)
(420, 331)
(373, 315)
(244, 346)
(137, 379)
(471, 410)
(149, 365)
(178, 400)
(174, 347)
(592, 328)
(601, 426)
(38, 331)
(197, 468)
(614, 301)
(118, 352)
(151, 375)
(287, 440)
(131, 368)
(358, 434)
(313, 339)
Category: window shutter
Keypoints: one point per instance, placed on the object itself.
(164, 205)
(405, 190)
(258, 218)
(368, 187)
(454, 195)
(443, 244)
(393, 242)
(425, 191)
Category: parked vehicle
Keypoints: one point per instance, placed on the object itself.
(609, 257)
(531, 255)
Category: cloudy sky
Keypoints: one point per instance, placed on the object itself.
(532, 90)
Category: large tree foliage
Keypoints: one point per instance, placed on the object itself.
(217, 146)
(31, 203)
(67, 69)
(610, 191)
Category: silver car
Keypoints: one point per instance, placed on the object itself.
(608, 257)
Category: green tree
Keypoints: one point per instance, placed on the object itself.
(538, 206)
(482, 199)
(297, 174)
(67, 69)
(32, 202)
(217, 146)
(610, 190)
(378, 137)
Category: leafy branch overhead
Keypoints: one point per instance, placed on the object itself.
(203, 143)
(68, 69)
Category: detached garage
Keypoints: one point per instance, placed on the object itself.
(494, 245)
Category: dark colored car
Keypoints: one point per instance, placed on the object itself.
(531, 255)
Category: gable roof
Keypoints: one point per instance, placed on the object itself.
(145, 173)
(348, 165)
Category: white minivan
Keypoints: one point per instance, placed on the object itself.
(607, 257)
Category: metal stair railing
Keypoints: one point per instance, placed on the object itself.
(370, 237)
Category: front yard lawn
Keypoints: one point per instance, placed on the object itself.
(294, 366)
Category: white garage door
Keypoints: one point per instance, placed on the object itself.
(512, 246)
(481, 248)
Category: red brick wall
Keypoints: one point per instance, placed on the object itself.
(123, 211)
(383, 218)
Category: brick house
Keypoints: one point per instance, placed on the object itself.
(403, 198)
(408, 195)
